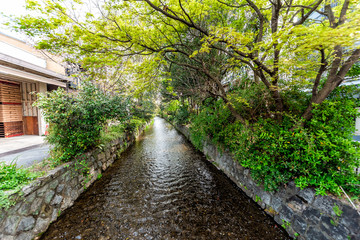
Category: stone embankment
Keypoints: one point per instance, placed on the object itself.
(302, 213)
(42, 201)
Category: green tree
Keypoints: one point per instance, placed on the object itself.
(258, 59)
(278, 42)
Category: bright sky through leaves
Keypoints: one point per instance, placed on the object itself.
(13, 7)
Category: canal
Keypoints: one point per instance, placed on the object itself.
(162, 188)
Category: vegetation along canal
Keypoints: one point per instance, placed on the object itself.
(162, 188)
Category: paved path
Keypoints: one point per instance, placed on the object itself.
(24, 150)
(15, 143)
(28, 157)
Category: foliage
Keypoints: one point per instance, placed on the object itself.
(77, 124)
(205, 45)
(177, 111)
(321, 154)
(285, 224)
(337, 210)
(212, 120)
(170, 109)
(112, 132)
(142, 108)
(183, 115)
(313, 156)
(251, 100)
(76, 119)
(354, 70)
(11, 176)
(12, 179)
(134, 124)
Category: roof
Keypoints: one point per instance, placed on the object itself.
(16, 69)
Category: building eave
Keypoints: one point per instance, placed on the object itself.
(18, 75)
(15, 63)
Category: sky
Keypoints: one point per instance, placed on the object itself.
(17, 8)
(11, 7)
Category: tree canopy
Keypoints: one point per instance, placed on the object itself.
(281, 45)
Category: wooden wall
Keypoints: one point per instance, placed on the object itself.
(28, 98)
(10, 109)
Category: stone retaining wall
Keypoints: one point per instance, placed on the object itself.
(41, 202)
(301, 212)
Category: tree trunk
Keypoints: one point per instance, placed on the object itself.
(279, 104)
(329, 86)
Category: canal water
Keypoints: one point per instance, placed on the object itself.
(162, 188)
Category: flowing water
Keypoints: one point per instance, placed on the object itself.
(162, 188)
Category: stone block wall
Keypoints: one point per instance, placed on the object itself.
(42, 201)
(304, 214)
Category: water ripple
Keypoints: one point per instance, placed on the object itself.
(161, 188)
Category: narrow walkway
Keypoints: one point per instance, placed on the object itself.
(9, 145)
(162, 188)
(24, 150)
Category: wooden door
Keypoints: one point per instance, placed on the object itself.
(31, 126)
(30, 113)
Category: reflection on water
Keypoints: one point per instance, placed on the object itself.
(161, 188)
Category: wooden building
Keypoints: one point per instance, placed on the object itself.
(25, 71)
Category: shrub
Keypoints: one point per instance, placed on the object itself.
(142, 109)
(171, 109)
(176, 111)
(76, 119)
(113, 132)
(182, 114)
(321, 154)
(212, 119)
(134, 124)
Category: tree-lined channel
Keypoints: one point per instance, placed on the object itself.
(162, 188)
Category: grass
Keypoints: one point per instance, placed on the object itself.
(112, 132)
(12, 179)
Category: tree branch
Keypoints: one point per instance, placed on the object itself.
(344, 9)
(305, 7)
(348, 64)
(330, 15)
(233, 6)
(306, 16)
(187, 15)
(262, 20)
(337, 61)
(189, 24)
(319, 74)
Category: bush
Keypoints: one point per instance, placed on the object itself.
(212, 119)
(177, 112)
(134, 124)
(113, 132)
(143, 109)
(76, 119)
(321, 154)
(171, 108)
